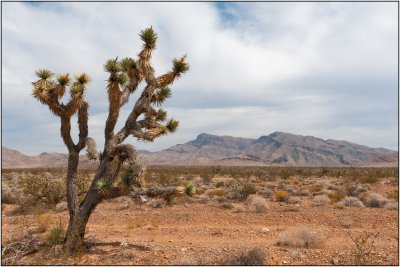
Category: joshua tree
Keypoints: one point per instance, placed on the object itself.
(145, 122)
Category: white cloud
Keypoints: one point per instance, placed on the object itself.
(307, 68)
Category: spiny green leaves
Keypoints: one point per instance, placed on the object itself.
(123, 79)
(127, 178)
(82, 78)
(190, 189)
(180, 66)
(112, 66)
(127, 64)
(172, 125)
(63, 79)
(104, 187)
(76, 89)
(161, 115)
(149, 37)
(162, 95)
(44, 74)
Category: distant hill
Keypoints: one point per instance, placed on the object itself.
(14, 159)
(278, 148)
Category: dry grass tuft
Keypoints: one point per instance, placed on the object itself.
(258, 204)
(303, 236)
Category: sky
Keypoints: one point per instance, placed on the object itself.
(323, 69)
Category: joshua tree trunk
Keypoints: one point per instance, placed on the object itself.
(124, 78)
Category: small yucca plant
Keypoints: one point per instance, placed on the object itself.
(190, 189)
(104, 187)
(56, 235)
(127, 178)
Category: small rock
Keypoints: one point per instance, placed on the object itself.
(294, 253)
(183, 249)
(170, 241)
(389, 258)
(280, 215)
(124, 244)
(284, 262)
(62, 206)
(265, 230)
(335, 261)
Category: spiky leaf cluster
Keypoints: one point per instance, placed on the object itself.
(112, 66)
(104, 187)
(161, 115)
(127, 178)
(162, 94)
(190, 189)
(149, 37)
(82, 79)
(127, 64)
(172, 125)
(63, 79)
(44, 74)
(180, 66)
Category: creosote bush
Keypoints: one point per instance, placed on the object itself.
(302, 236)
(375, 200)
(242, 190)
(247, 257)
(351, 202)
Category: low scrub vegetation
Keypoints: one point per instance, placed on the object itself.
(303, 236)
(247, 257)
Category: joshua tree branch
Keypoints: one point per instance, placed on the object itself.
(83, 125)
(66, 132)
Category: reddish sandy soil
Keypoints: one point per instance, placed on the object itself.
(124, 233)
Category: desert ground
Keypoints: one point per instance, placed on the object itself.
(229, 216)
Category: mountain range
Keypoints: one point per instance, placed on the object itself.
(278, 148)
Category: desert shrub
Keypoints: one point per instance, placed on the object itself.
(241, 190)
(302, 192)
(363, 245)
(375, 200)
(263, 184)
(368, 179)
(207, 178)
(56, 235)
(220, 184)
(258, 204)
(393, 195)
(351, 202)
(335, 197)
(216, 192)
(322, 199)
(294, 200)
(281, 196)
(392, 205)
(255, 256)
(227, 206)
(42, 188)
(7, 197)
(316, 188)
(285, 174)
(266, 192)
(303, 236)
(157, 203)
(238, 208)
(355, 190)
